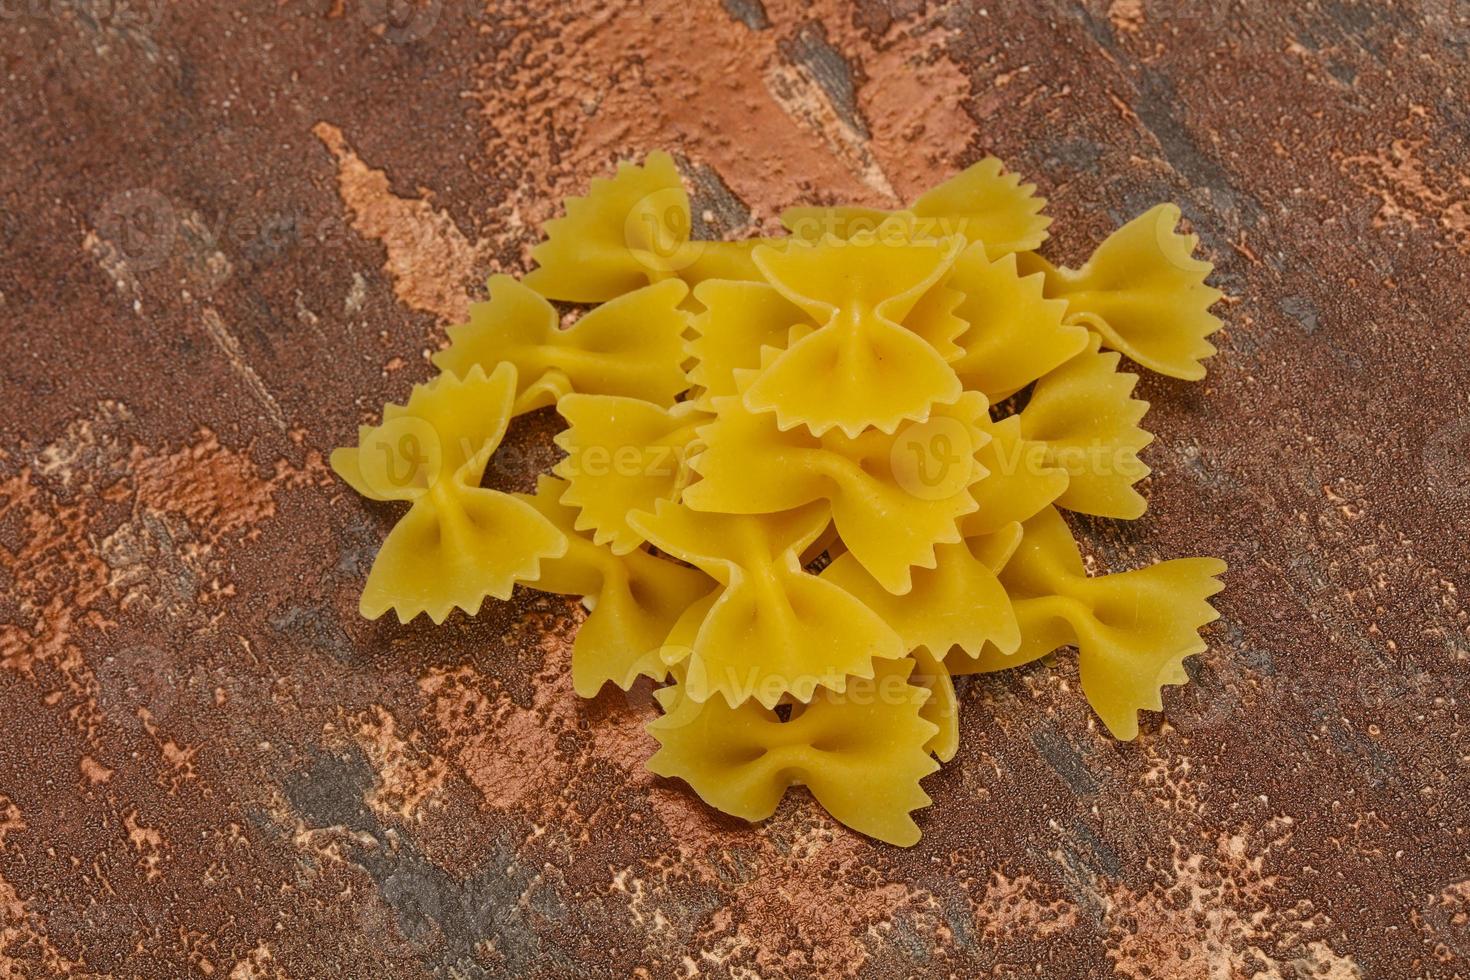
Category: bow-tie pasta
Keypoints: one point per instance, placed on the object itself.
(983, 204)
(629, 231)
(809, 480)
(1132, 630)
(1144, 293)
(874, 373)
(458, 542)
(633, 599)
(632, 346)
(773, 630)
(893, 498)
(861, 752)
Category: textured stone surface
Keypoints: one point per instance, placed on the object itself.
(231, 231)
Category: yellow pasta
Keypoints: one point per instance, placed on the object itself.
(630, 231)
(634, 599)
(861, 753)
(458, 542)
(1144, 293)
(893, 498)
(941, 709)
(739, 321)
(808, 481)
(957, 603)
(1132, 629)
(623, 456)
(773, 629)
(1084, 414)
(1021, 479)
(858, 290)
(1015, 335)
(983, 203)
(632, 346)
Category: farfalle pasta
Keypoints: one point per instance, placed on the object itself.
(631, 346)
(633, 599)
(810, 480)
(459, 542)
(983, 203)
(1144, 294)
(623, 456)
(773, 630)
(861, 752)
(1013, 334)
(631, 230)
(1084, 414)
(857, 290)
(886, 509)
(1132, 630)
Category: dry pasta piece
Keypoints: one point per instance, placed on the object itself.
(893, 497)
(1084, 413)
(861, 753)
(773, 629)
(957, 603)
(982, 202)
(458, 542)
(1020, 480)
(634, 599)
(623, 455)
(1132, 629)
(739, 320)
(632, 346)
(860, 368)
(630, 231)
(942, 708)
(1015, 334)
(1144, 293)
(935, 318)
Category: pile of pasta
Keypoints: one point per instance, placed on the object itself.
(812, 478)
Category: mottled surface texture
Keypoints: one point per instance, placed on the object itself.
(231, 231)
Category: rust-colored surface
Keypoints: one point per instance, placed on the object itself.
(231, 231)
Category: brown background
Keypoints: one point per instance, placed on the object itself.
(231, 231)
